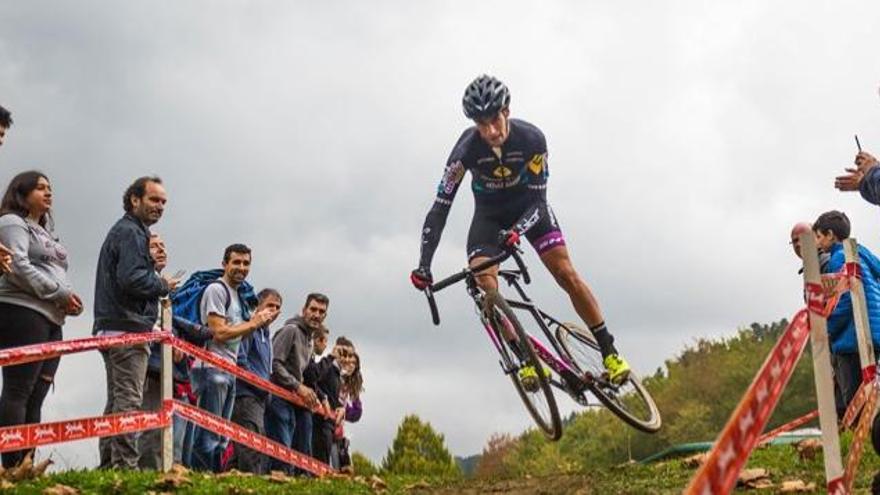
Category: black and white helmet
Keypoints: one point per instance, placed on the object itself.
(485, 97)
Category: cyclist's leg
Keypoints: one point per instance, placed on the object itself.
(488, 278)
(482, 244)
(558, 262)
(547, 239)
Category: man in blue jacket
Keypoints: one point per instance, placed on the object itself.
(254, 355)
(831, 228)
(127, 292)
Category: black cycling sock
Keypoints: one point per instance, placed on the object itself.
(604, 339)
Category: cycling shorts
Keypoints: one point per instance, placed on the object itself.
(544, 235)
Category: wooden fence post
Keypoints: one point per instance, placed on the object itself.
(167, 382)
(822, 368)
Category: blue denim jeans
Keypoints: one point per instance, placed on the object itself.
(280, 424)
(216, 392)
(302, 433)
(179, 434)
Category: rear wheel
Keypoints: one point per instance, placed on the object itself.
(534, 390)
(630, 401)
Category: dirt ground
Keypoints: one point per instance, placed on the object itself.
(554, 485)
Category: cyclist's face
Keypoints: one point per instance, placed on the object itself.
(494, 130)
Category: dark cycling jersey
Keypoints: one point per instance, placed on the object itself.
(510, 190)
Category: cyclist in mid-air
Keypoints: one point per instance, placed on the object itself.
(507, 159)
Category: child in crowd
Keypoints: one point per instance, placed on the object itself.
(831, 228)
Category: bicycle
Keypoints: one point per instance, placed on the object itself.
(575, 360)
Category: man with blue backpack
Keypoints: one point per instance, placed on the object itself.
(225, 301)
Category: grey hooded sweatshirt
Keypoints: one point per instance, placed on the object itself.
(38, 280)
(291, 352)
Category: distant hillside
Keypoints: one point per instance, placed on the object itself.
(468, 465)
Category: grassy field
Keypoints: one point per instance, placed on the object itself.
(782, 462)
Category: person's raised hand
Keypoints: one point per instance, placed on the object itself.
(265, 316)
(849, 182)
(307, 394)
(171, 281)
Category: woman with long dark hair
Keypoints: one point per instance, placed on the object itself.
(350, 396)
(35, 298)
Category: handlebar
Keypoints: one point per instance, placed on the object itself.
(435, 313)
(513, 251)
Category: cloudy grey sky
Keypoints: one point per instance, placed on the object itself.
(685, 139)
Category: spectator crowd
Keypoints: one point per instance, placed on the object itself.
(217, 309)
(830, 229)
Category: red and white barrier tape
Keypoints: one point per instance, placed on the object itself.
(740, 436)
(858, 443)
(233, 369)
(797, 423)
(856, 404)
(250, 439)
(869, 373)
(49, 350)
(34, 435)
(822, 298)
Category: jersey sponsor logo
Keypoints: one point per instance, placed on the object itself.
(453, 175)
(536, 164)
(502, 184)
(501, 172)
(529, 222)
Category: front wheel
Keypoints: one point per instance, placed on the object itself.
(630, 401)
(517, 354)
